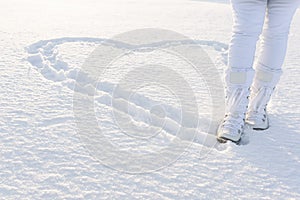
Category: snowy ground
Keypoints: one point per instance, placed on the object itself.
(44, 44)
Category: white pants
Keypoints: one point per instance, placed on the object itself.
(249, 17)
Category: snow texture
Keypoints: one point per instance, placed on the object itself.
(44, 45)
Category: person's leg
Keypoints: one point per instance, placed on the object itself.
(271, 58)
(248, 19)
(275, 34)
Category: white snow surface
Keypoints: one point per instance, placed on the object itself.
(43, 46)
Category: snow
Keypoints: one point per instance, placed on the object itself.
(44, 45)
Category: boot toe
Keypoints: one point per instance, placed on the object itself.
(227, 134)
(262, 124)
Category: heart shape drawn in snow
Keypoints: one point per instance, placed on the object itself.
(141, 111)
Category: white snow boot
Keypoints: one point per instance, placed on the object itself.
(238, 82)
(262, 88)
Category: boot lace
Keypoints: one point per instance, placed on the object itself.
(237, 103)
(233, 122)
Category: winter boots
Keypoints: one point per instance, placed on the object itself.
(237, 111)
(238, 82)
(264, 83)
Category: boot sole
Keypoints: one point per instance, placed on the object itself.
(224, 140)
(260, 129)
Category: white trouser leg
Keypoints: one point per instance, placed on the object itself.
(248, 20)
(275, 34)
